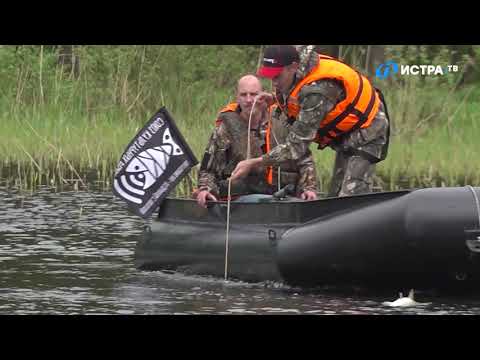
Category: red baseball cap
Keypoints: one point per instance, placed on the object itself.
(275, 58)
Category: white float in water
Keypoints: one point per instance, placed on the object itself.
(404, 301)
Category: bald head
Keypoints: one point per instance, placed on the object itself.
(249, 86)
(249, 81)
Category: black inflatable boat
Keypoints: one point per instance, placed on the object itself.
(412, 239)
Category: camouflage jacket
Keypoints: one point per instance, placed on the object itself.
(316, 101)
(227, 146)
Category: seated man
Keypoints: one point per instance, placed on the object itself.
(324, 101)
(230, 143)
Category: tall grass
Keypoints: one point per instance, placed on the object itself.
(434, 136)
(62, 129)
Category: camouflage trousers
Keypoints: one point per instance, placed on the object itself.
(357, 155)
(352, 175)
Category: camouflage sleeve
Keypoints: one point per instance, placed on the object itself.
(315, 102)
(214, 160)
(308, 174)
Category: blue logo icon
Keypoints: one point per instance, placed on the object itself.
(385, 70)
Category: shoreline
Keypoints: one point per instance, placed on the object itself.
(62, 175)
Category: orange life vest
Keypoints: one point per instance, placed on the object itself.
(268, 147)
(357, 110)
(233, 107)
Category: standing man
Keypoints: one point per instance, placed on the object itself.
(322, 100)
(230, 142)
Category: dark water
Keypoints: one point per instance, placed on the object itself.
(73, 253)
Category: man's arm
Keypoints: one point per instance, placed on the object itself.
(315, 103)
(213, 161)
(308, 176)
(206, 176)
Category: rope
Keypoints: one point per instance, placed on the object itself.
(229, 189)
(477, 203)
(249, 125)
(279, 185)
(228, 228)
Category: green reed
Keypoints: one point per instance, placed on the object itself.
(66, 131)
(46, 146)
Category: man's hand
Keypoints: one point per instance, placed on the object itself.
(308, 195)
(265, 97)
(244, 167)
(203, 196)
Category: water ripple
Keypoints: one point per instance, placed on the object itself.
(73, 253)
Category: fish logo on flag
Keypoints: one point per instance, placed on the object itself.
(152, 165)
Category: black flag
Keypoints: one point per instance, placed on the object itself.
(152, 165)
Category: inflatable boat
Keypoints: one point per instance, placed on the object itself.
(424, 238)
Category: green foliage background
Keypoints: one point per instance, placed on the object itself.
(67, 112)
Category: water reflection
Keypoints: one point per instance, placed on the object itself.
(73, 253)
